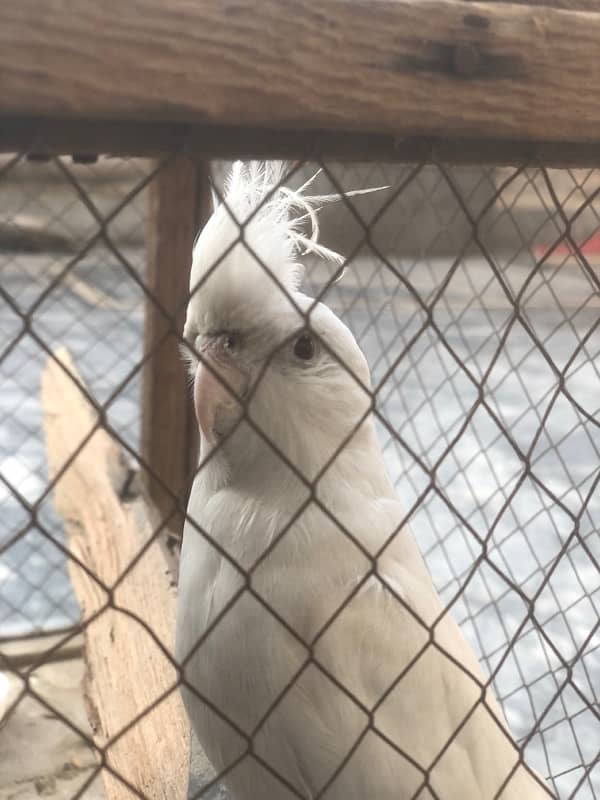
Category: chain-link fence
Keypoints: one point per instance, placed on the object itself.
(47, 230)
(474, 295)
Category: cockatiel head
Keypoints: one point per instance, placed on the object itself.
(277, 377)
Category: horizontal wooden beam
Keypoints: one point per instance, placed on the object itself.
(400, 67)
(44, 648)
(566, 5)
(204, 142)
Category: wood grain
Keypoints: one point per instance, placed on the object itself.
(126, 671)
(566, 5)
(176, 206)
(405, 67)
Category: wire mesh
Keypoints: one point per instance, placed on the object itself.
(473, 293)
(56, 268)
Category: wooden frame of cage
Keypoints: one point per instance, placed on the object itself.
(491, 70)
(456, 81)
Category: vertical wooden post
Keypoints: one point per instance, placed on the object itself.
(178, 205)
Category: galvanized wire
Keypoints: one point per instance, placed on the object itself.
(453, 329)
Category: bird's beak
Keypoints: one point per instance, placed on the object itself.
(219, 388)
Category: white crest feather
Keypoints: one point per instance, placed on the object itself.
(246, 257)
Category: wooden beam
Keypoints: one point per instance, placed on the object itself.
(402, 67)
(566, 5)
(40, 649)
(126, 671)
(178, 200)
(63, 137)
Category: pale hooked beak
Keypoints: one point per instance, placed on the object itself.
(219, 387)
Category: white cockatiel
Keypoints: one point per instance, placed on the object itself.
(305, 609)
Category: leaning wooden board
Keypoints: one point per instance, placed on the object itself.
(134, 707)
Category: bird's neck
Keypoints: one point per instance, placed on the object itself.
(250, 464)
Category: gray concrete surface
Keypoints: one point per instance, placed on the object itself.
(41, 756)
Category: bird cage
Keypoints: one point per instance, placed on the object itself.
(451, 152)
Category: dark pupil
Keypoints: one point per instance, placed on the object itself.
(304, 347)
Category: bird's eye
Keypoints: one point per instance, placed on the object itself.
(231, 342)
(304, 347)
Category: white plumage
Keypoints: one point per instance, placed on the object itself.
(303, 654)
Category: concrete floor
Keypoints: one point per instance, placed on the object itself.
(41, 755)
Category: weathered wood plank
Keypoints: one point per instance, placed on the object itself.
(567, 5)
(127, 672)
(59, 136)
(177, 200)
(41, 649)
(404, 67)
